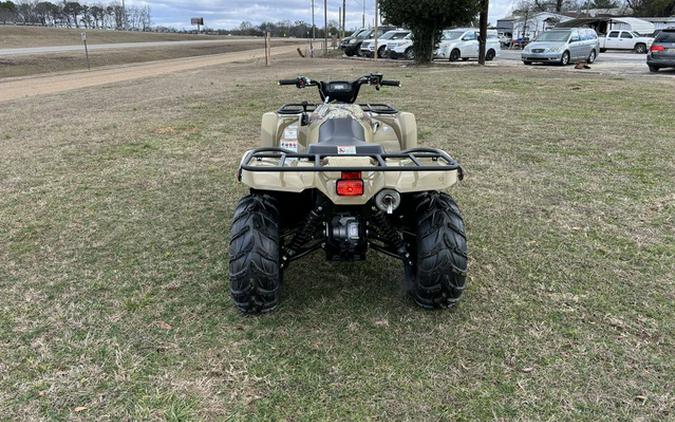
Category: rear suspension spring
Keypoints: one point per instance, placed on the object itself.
(306, 231)
(389, 234)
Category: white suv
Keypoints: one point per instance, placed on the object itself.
(368, 46)
(401, 49)
(462, 43)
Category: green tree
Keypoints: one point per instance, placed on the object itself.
(652, 7)
(427, 18)
(7, 11)
(603, 4)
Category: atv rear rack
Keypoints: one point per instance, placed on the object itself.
(443, 161)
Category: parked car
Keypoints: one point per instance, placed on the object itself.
(625, 40)
(662, 51)
(347, 40)
(462, 43)
(401, 49)
(353, 47)
(368, 46)
(562, 46)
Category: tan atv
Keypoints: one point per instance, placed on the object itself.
(346, 178)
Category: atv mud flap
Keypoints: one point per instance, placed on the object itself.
(418, 169)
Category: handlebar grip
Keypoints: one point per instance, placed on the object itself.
(288, 82)
(390, 83)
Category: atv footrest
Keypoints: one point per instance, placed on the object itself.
(287, 161)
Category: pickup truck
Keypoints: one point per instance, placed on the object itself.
(625, 40)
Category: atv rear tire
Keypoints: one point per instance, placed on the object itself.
(439, 273)
(255, 273)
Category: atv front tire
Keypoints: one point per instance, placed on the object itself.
(439, 272)
(255, 271)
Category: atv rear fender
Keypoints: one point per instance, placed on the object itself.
(414, 170)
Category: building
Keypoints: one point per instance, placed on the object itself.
(528, 27)
(602, 25)
(662, 23)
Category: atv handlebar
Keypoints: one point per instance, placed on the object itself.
(385, 82)
(288, 82)
(335, 91)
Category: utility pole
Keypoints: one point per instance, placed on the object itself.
(484, 4)
(311, 44)
(344, 18)
(363, 24)
(325, 27)
(344, 13)
(339, 22)
(375, 52)
(124, 16)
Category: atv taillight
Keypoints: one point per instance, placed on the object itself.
(350, 175)
(350, 184)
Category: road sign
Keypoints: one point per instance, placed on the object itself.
(83, 36)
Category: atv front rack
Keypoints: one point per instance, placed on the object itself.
(285, 159)
(297, 108)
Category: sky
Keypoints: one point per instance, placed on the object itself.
(230, 13)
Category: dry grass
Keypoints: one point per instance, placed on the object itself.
(13, 66)
(35, 36)
(115, 206)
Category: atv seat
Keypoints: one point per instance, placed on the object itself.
(343, 132)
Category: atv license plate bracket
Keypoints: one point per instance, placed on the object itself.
(286, 161)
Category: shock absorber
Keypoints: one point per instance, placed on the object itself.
(389, 234)
(305, 232)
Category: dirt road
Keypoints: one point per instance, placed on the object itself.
(49, 84)
(120, 46)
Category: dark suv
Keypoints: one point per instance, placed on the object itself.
(353, 44)
(662, 52)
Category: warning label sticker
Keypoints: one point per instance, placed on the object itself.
(289, 145)
(346, 149)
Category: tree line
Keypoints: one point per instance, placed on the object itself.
(297, 29)
(73, 14)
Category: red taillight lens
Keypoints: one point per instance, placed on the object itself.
(655, 48)
(350, 175)
(350, 184)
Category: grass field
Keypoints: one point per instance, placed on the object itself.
(15, 66)
(35, 36)
(115, 205)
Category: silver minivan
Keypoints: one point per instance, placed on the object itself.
(563, 46)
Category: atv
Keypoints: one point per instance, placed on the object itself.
(345, 178)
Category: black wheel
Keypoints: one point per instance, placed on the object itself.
(255, 273)
(490, 55)
(349, 53)
(602, 50)
(455, 55)
(565, 59)
(653, 68)
(527, 62)
(640, 49)
(438, 275)
(380, 52)
(409, 53)
(591, 57)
